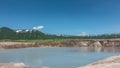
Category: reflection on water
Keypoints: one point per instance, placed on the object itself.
(111, 49)
(96, 49)
(58, 57)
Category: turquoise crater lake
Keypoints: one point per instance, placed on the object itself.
(64, 57)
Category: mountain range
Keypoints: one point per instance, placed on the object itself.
(10, 34)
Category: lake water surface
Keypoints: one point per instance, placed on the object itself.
(57, 57)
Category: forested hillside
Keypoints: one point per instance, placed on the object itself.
(7, 33)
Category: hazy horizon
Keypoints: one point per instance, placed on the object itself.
(70, 17)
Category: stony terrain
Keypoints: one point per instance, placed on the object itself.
(112, 62)
(70, 43)
(12, 45)
(13, 65)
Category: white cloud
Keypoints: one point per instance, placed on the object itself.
(38, 27)
(83, 34)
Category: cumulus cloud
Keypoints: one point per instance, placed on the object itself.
(38, 27)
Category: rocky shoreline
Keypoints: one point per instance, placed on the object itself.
(15, 45)
(70, 43)
(111, 62)
(14, 65)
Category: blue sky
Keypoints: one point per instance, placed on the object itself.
(62, 16)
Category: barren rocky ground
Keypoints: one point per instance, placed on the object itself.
(111, 62)
(13, 65)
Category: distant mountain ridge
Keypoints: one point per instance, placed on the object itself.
(7, 33)
(10, 34)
